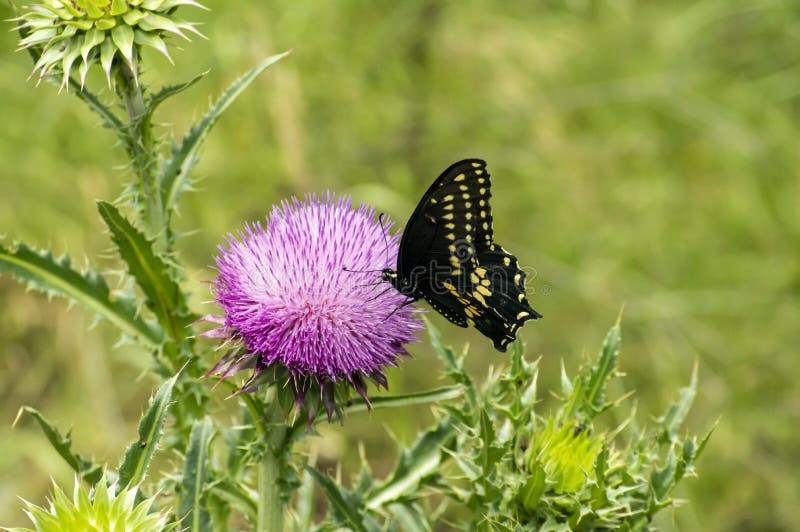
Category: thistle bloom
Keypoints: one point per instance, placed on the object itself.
(299, 304)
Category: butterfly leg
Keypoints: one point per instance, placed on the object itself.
(405, 303)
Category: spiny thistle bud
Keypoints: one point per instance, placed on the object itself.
(69, 33)
(98, 511)
(566, 455)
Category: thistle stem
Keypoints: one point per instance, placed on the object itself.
(142, 153)
(270, 500)
(270, 507)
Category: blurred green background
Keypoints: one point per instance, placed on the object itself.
(643, 154)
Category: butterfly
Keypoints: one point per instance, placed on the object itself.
(448, 257)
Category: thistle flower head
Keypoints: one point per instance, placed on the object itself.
(79, 33)
(299, 304)
(98, 511)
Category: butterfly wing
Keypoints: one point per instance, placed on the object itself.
(448, 202)
(448, 256)
(504, 307)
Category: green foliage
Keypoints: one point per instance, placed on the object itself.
(40, 271)
(515, 469)
(192, 512)
(162, 294)
(151, 426)
(83, 468)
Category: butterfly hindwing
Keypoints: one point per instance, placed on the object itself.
(448, 257)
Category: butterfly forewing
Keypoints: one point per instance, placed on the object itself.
(448, 257)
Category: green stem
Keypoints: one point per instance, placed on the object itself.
(270, 500)
(141, 150)
(270, 507)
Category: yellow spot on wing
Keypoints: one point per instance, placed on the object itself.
(479, 298)
(522, 315)
(478, 172)
(459, 177)
(476, 165)
(520, 297)
(486, 282)
(463, 188)
(450, 226)
(448, 286)
(480, 271)
(448, 216)
(450, 236)
(506, 261)
(483, 290)
(448, 207)
(516, 278)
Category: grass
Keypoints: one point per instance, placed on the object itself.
(643, 154)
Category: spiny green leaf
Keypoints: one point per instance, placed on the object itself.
(533, 489)
(163, 295)
(603, 370)
(42, 272)
(174, 177)
(237, 497)
(415, 465)
(137, 457)
(86, 469)
(404, 400)
(193, 515)
(304, 509)
(345, 508)
(675, 415)
(490, 453)
(453, 364)
(410, 517)
(171, 90)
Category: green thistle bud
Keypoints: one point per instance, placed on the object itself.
(99, 511)
(79, 33)
(566, 455)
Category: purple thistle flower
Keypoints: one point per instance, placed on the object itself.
(291, 306)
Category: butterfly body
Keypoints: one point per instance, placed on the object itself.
(449, 258)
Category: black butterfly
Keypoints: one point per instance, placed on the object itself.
(447, 256)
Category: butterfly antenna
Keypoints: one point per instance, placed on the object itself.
(385, 240)
(345, 268)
